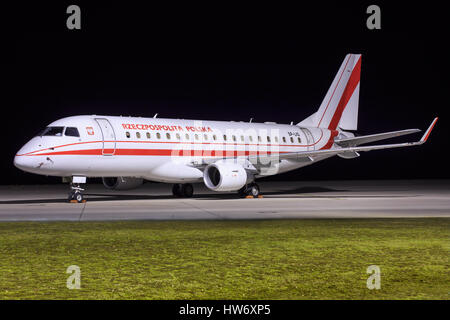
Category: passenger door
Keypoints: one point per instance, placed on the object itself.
(109, 137)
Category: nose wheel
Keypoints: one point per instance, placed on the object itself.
(75, 193)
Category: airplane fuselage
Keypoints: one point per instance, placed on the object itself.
(160, 149)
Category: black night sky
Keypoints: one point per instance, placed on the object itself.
(228, 62)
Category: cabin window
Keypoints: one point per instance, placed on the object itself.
(52, 131)
(148, 135)
(214, 137)
(72, 132)
(259, 138)
(268, 139)
(224, 137)
(187, 136)
(205, 137)
(276, 139)
(138, 135)
(196, 136)
(242, 138)
(168, 136)
(299, 140)
(284, 139)
(292, 140)
(234, 138)
(158, 135)
(127, 134)
(178, 136)
(250, 138)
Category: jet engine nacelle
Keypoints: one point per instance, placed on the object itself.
(122, 183)
(225, 176)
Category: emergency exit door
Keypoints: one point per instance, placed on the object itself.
(108, 135)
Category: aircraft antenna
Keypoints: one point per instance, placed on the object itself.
(156, 114)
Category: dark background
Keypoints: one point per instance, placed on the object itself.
(226, 61)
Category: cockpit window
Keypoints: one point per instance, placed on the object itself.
(72, 132)
(52, 131)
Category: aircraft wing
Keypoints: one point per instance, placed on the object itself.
(311, 154)
(356, 141)
(352, 150)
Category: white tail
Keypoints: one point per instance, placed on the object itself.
(340, 105)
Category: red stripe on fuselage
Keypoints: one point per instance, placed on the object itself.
(176, 152)
(162, 152)
(33, 153)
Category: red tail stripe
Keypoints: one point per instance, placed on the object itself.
(318, 125)
(330, 141)
(346, 95)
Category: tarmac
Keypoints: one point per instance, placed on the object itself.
(281, 200)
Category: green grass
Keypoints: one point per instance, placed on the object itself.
(274, 259)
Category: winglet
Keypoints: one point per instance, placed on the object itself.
(427, 133)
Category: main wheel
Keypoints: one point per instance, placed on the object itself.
(176, 190)
(253, 190)
(187, 190)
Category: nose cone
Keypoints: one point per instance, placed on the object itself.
(22, 162)
(31, 146)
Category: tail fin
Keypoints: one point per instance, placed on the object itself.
(340, 105)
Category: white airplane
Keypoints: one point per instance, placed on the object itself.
(226, 156)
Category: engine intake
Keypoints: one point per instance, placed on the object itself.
(225, 176)
(122, 183)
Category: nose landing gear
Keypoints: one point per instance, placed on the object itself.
(76, 191)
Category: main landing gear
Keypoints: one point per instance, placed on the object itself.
(185, 190)
(251, 189)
